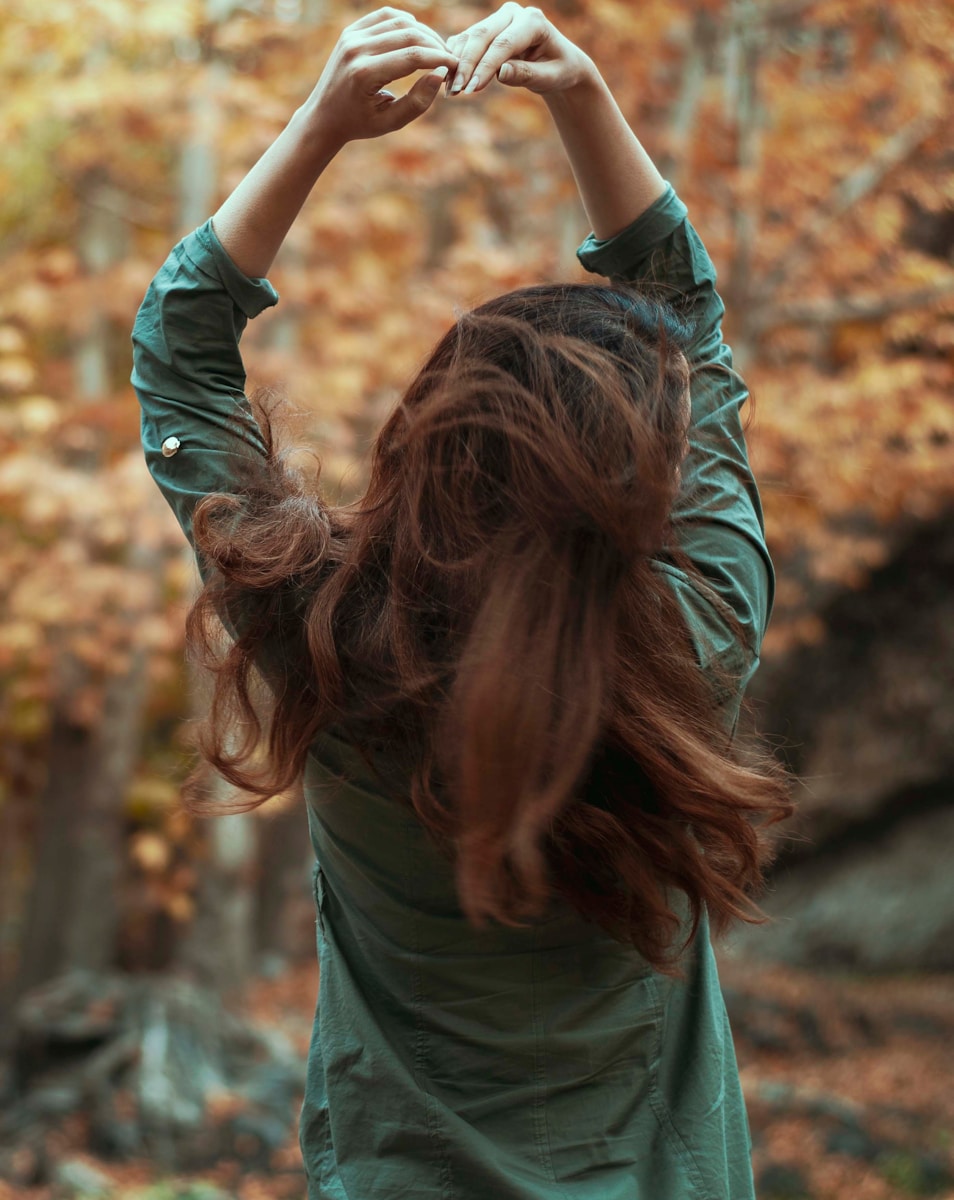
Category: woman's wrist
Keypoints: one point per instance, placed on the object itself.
(616, 178)
(587, 86)
(350, 100)
(253, 222)
(317, 140)
(588, 106)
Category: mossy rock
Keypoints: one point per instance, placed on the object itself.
(915, 1173)
(783, 1181)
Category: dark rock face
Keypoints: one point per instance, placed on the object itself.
(866, 720)
(883, 906)
(783, 1181)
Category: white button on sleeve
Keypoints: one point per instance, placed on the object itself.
(170, 446)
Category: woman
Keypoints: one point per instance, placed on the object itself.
(509, 674)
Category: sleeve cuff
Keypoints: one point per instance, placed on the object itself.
(250, 296)
(629, 248)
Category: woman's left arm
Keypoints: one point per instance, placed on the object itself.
(642, 237)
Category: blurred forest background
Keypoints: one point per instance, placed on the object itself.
(157, 976)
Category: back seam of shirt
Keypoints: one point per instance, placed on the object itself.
(431, 1119)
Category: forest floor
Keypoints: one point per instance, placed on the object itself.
(849, 1083)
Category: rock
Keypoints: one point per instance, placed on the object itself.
(158, 1066)
(916, 1173)
(22, 1165)
(923, 1025)
(255, 1137)
(865, 720)
(853, 1141)
(787, 1099)
(851, 1129)
(80, 1179)
(766, 1025)
(884, 906)
(782, 1181)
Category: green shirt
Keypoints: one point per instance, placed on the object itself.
(540, 1063)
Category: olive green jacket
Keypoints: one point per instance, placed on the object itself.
(540, 1063)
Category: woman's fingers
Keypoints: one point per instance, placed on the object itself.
(529, 30)
(389, 44)
(387, 29)
(398, 38)
(521, 48)
(417, 101)
(471, 45)
(350, 100)
(381, 15)
(375, 71)
(534, 76)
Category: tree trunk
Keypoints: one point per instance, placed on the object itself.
(742, 102)
(685, 110)
(285, 925)
(73, 914)
(217, 949)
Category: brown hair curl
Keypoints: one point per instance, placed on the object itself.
(488, 621)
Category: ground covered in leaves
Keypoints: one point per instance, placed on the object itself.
(848, 1082)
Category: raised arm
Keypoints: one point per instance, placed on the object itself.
(616, 178)
(641, 237)
(199, 432)
(718, 515)
(350, 102)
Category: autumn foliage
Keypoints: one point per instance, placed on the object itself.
(811, 141)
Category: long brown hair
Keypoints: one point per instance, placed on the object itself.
(488, 621)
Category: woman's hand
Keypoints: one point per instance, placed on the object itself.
(350, 100)
(521, 48)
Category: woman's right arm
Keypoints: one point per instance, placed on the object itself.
(199, 432)
(641, 236)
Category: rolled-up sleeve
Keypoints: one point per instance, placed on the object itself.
(717, 518)
(199, 433)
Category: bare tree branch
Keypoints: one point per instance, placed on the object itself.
(742, 101)
(684, 110)
(779, 14)
(854, 187)
(873, 306)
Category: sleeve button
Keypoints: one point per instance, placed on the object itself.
(170, 446)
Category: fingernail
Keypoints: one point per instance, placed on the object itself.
(505, 72)
(457, 84)
(441, 74)
(473, 85)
